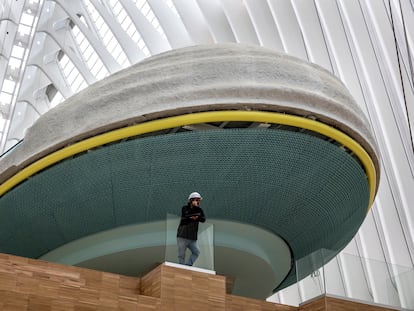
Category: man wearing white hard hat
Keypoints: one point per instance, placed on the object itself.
(191, 215)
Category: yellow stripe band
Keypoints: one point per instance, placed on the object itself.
(197, 118)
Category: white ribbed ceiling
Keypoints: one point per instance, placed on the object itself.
(49, 50)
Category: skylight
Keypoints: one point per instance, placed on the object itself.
(17, 51)
(14, 63)
(145, 9)
(8, 86)
(5, 98)
(95, 64)
(24, 30)
(128, 26)
(108, 39)
(27, 19)
(72, 74)
(171, 5)
(56, 100)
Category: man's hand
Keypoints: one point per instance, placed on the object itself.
(194, 217)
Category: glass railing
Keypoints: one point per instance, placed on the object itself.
(9, 150)
(353, 277)
(405, 284)
(204, 242)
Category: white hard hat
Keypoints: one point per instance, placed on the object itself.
(194, 195)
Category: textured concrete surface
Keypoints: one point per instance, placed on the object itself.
(192, 79)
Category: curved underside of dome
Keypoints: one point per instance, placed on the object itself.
(271, 141)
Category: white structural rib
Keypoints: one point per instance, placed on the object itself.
(313, 37)
(393, 140)
(288, 27)
(131, 50)
(74, 11)
(49, 36)
(152, 38)
(240, 21)
(194, 21)
(18, 21)
(216, 20)
(264, 24)
(171, 23)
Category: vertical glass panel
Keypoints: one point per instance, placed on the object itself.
(171, 253)
(356, 278)
(312, 286)
(377, 274)
(333, 278)
(205, 243)
(310, 276)
(404, 282)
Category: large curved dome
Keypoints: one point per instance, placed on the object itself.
(282, 148)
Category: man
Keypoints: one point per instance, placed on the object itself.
(191, 215)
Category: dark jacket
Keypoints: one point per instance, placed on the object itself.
(188, 227)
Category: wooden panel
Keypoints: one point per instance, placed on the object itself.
(186, 288)
(28, 284)
(336, 304)
(315, 305)
(230, 284)
(151, 283)
(237, 303)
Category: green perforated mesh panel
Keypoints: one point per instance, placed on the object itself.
(308, 191)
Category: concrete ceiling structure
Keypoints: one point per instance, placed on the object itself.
(50, 50)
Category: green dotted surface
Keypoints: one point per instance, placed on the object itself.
(308, 191)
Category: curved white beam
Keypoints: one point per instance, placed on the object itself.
(172, 25)
(216, 20)
(32, 86)
(240, 21)
(49, 63)
(194, 21)
(129, 47)
(76, 7)
(313, 37)
(152, 38)
(264, 24)
(289, 30)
